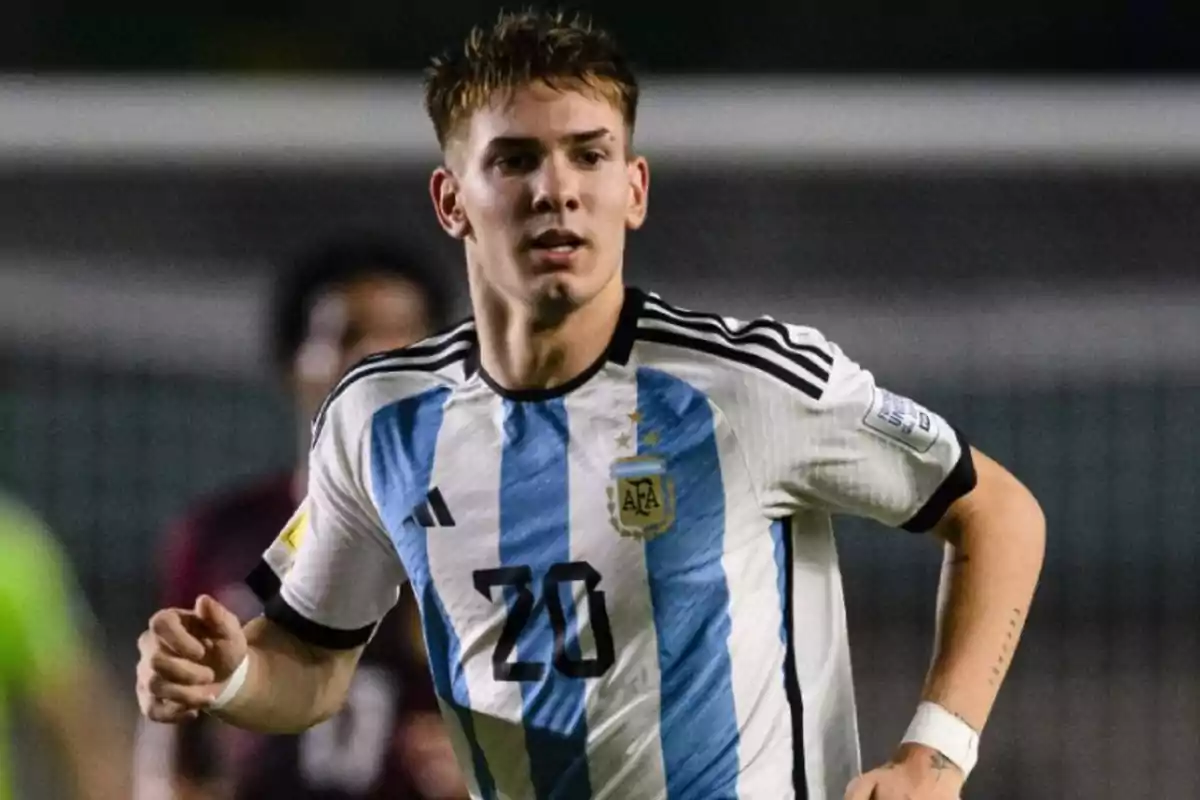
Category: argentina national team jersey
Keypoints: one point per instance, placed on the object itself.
(628, 584)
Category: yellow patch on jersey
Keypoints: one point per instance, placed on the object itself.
(293, 532)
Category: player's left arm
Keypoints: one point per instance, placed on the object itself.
(994, 541)
(850, 446)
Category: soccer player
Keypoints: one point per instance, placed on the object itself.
(49, 666)
(614, 512)
(340, 302)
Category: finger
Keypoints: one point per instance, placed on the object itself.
(144, 673)
(190, 697)
(161, 710)
(200, 629)
(167, 626)
(179, 670)
(170, 713)
(150, 643)
(221, 621)
(182, 713)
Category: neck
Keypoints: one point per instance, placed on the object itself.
(522, 348)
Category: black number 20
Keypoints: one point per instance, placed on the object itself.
(521, 578)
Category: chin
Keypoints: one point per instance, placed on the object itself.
(553, 298)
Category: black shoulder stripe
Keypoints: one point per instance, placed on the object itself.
(407, 362)
(741, 340)
(464, 332)
(692, 341)
(687, 316)
(743, 337)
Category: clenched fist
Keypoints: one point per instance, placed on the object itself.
(186, 658)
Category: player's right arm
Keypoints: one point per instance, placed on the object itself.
(189, 655)
(326, 582)
(181, 762)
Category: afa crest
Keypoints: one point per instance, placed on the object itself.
(641, 497)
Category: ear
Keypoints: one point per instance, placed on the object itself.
(639, 192)
(447, 203)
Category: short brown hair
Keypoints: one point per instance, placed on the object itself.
(521, 48)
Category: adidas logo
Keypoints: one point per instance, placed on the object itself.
(432, 512)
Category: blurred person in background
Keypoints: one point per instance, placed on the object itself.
(48, 666)
(339, 303)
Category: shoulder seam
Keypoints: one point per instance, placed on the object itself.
(755, 331)
(754, 361)
(430, 356)
(763, 354)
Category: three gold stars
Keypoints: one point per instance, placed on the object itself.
(650, 439)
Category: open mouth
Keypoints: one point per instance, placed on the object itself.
(557, 241)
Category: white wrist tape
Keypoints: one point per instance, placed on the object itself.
(935, 727)
(232, 686)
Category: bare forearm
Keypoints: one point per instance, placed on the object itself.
(992, 562)
(289, 687)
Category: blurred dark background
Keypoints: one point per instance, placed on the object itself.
(1019, 36)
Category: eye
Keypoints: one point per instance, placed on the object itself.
(516, 162)
(593, 158)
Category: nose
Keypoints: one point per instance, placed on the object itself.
(555, 187)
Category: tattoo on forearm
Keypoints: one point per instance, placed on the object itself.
(1010, 643)
(939, 762)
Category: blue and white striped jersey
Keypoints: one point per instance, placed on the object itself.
(628, 585)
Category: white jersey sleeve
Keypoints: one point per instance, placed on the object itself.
(333, 569)
(856, 448)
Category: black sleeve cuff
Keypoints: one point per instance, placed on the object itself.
(960, 481)
(263, 581)
(266, 584)
(278, 611)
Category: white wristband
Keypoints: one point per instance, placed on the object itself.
(935, 727)
(232, 686)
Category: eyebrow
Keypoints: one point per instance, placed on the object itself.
(581, 137)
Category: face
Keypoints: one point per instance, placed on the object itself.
(542, 189)
(349, 323)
